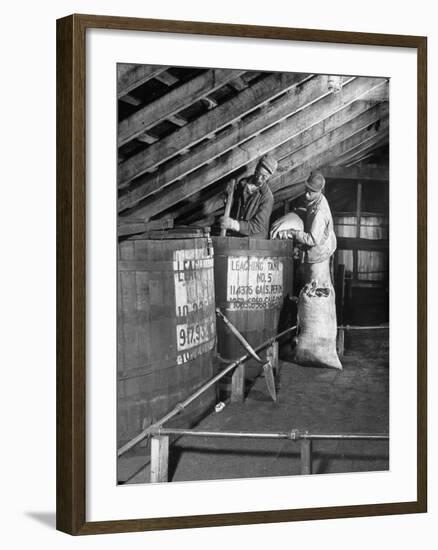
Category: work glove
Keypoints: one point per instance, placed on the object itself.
(229, 223)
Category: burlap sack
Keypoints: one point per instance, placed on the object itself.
(317, 327)
(288, 221)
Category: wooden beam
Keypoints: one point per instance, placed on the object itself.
(355, 129)
(358, 214)
(283, 182)
(198, 201)
(250, 149)
(207, 124)
(159, 458)
(299, 162)
(178, 120)
(210, 102)
(131, 226)
(362, 149)
(370, 172)
(354, 162)
(382, 94)
(167, 78)
(131, 100)
(346, 243)
(147, 138)
(239, 84)
(227, 140)
(358, 208)
(325, 134)
(364, 153)
(130, 76)
(294, 170)
(172, 102)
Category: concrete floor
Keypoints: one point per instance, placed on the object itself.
(354, 400)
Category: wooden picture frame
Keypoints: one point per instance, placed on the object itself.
(71, 273)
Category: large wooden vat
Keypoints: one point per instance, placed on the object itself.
(166, 330)
(252, 279)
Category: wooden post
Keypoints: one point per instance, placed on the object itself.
(340, 294)
(358, 216)
(340, 344)
(238, 384)
(358, 209)
(272, 357)
(159, 458)
(306, 456)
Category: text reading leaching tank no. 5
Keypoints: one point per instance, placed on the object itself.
(254, 282)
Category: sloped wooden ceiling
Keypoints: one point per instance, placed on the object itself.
(183, 133)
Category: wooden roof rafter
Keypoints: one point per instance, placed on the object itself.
(171, 103)
(130, 77)
(362, 150)
(321, 160)
(268, 141)
(207, 125)
(296, 167)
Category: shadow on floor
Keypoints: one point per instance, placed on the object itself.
(323, 461)
(45, 518)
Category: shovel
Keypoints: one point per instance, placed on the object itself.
(230, 192)
(267, 367)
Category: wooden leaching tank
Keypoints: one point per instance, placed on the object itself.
(166, 330)
(253, 277)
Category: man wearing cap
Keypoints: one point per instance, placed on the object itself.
(318, 240)
(253, 202)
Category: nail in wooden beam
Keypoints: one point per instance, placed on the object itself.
(159, 458)
(306, 456)
(238, 385)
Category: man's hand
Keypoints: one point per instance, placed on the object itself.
(229, 223)
(287, 234)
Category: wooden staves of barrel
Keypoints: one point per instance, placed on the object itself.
(166, 330)
(252, 279)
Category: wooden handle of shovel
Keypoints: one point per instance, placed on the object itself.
(229, 203)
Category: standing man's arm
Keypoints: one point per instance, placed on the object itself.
(314, 237)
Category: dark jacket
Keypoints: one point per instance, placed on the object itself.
(318, 238)
(253, 211)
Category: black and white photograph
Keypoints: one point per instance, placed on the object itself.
(252, 273)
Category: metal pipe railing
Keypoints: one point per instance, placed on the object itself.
(293, 435)
(161, 438)
(181, 406)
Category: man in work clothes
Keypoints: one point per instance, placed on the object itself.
(253, 202)
(318, 240)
